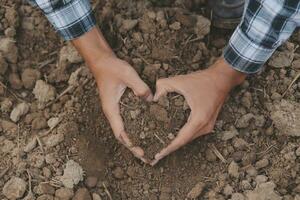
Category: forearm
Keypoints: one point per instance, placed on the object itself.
(92, 46)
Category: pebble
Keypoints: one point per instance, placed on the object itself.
(227, 191)
(227, 135)
(202, 27)
(70, 54)
(39, 123)
(15, 81)
(9, 49)
(118, 173)
(237, 196)
(52, 122)
(91, 181)
(64, 193)
(44, 188)
(96, 196)
(159, 112)
(240, 144)
(54, 140)
(44, 92)
(73, 174)
(31, 145)
(175, 26)
(262, 163)
(196, 190)
(244, 121)
(263, 191)
(261, 179)
(210, 156)
(20, 110)
(128, 24)
(45, 197)
(7, 146)
(82, 194)
(29, 77)
(233, 169)
(14, 188)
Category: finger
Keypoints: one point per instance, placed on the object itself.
(184, 136)
(162, 88)
(140, 88)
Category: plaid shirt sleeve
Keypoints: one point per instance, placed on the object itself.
(265, 25)
(70, 18)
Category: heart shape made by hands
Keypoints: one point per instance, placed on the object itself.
(151, 125)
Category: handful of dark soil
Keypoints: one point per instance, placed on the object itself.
(153, 125)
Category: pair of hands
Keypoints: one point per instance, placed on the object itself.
(205, 92)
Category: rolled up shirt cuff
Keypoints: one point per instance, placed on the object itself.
(72, 20)
(244, 54)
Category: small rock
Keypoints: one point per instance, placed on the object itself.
(52, 122)
(244, 121)
(96, 196)
(261, 179)
(175, 26)
(54, 140)
(20, 110)
(263, 191)
(73, 174)
(128, 24)
(7, 146)
(233, 169)
(240, 144)
(237, 196)
(245, 185)
(6, 105)
(44, 188)
(135, 113)
(82, 194)
(210, 155)
(91, 181)
(69, 54)
(44, 92)
(3, 65)
(196, 190)
(64, 193)
(9, 49)
(31, 145)
(39, 123)
(45, 197)
(285, 116)
(15, 81)
(8, 126)
(281, 59)
(227, 135)
(14, 188)
(29, 77)
(227, 191)
(262, 163)
(159, 112)
(202, 27)
(118, 173)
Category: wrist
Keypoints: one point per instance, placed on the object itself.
(226, 75)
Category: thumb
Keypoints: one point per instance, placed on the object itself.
(140, 88)
(162, 88)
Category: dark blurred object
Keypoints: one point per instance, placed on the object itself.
(226, 14)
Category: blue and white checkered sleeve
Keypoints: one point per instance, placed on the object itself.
(70, 18)
(264, 26)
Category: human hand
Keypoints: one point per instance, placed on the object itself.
(113, 76)
(205, 92)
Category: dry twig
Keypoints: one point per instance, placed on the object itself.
(106, 191)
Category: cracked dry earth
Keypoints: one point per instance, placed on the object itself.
(57, 145)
